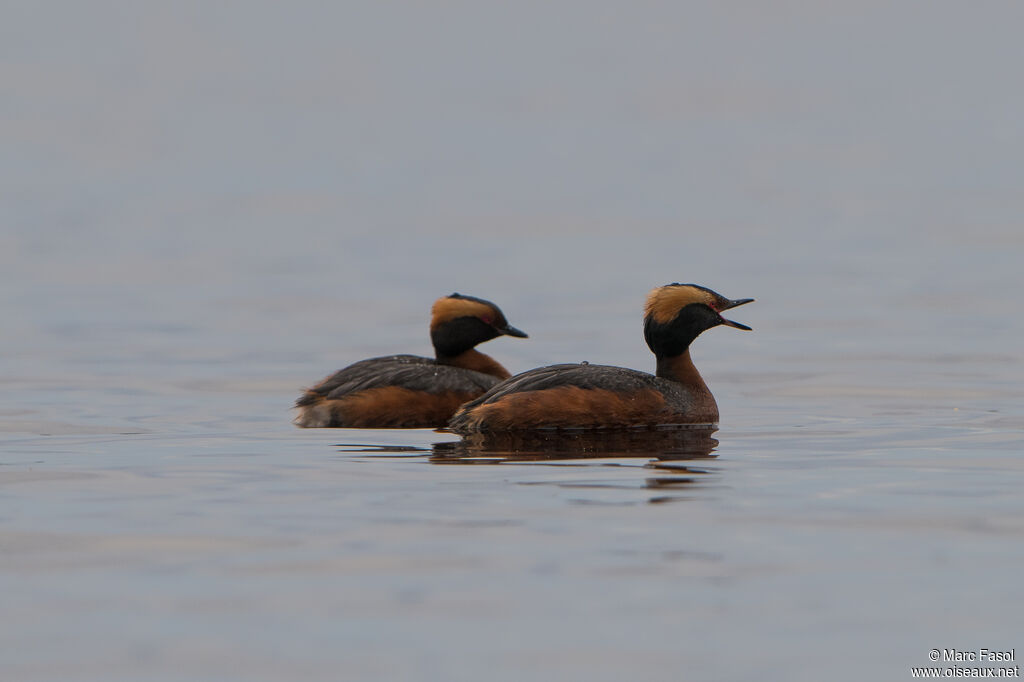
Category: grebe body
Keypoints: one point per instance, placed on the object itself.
(409, 391)
(585, 396)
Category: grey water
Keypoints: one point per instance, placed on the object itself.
(206, 207)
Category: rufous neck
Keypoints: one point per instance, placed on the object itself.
(476, 361)
(680, 368)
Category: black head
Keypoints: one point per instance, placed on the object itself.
(676, 314)
(461, 322)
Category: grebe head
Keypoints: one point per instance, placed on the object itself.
(460, 322)
(676, 314)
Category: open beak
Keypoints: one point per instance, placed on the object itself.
(509, 330)
(733, 304)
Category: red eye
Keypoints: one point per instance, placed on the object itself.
(487, 319)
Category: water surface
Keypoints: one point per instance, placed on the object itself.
(206, 209)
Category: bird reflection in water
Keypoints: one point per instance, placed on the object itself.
(672, 452)
(663, 445)
(668, 450)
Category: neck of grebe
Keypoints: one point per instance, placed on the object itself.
(701, 406)
(476, 361)
(680, 368)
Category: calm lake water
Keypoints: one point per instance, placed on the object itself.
(206, 208)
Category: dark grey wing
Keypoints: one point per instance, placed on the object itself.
(368, 374)
(583, 376)
(407, 371)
